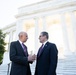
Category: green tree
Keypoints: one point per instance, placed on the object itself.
(2, 46)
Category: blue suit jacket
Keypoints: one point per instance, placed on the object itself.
(47, 61)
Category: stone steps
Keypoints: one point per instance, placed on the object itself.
(65, 67)
(3, 69)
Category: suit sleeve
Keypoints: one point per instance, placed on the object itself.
(16, 58)
(53, 59)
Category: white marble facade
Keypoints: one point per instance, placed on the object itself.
(57, 17)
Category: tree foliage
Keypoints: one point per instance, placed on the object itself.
(2, 45)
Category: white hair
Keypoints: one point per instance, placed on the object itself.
(21, 33)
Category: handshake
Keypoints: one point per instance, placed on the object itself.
(32, 58)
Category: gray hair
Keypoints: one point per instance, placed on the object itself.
(21, 33)
(44, 33)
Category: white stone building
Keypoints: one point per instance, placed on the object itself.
(58, 18)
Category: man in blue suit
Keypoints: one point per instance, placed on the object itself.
(19, 56)
(47, 56)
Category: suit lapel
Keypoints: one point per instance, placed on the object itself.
(44, 49)
(20, 47)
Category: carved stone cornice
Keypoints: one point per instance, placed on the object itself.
(49, 7)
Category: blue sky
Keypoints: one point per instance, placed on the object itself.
(9, 8)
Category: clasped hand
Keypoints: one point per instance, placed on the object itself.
(32, 58)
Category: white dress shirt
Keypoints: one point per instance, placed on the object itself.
(44, 43)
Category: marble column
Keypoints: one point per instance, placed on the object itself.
(36, 34)
(44, 23)
(11, 36)
(65, 35)
(10, 39)
(73, 22)
(19, 27)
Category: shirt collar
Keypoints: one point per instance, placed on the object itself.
(45, 42)
(20, 42)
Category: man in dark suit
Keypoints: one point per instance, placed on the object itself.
(47, 57)
(19, 56)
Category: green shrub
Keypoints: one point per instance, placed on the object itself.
(2, 46)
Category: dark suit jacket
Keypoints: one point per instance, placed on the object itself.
(20, 64)
(47, 61)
